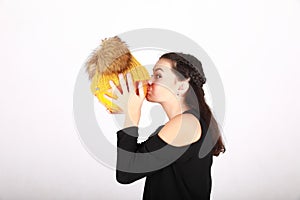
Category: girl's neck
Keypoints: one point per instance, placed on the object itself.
(173, 110)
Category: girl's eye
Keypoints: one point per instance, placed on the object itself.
(156, 76)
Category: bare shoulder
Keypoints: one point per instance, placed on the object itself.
(181, 130)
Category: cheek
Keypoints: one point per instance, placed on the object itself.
(160, 89)
(155, 87)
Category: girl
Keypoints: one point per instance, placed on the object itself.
(169, 158)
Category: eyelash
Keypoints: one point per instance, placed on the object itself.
(156, 75)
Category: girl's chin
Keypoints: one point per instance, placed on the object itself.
(148, 97)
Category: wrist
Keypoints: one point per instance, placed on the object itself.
(131, 119)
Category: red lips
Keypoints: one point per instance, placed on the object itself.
(149, 88)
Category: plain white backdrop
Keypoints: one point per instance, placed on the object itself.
(254, 44)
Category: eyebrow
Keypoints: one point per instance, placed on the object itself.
(158, 69)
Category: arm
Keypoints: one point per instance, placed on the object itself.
(135, 161)
(133, 158)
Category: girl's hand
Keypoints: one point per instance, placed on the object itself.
(129, 102)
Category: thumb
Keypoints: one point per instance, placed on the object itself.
(141, 89)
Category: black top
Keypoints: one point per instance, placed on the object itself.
(171, 172)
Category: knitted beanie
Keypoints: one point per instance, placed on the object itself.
(108, 60)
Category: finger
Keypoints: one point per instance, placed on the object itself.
(108, 98)
(129, 82)
(123, 83)
(113, 111)
(115, 90)
(141, 89)
(113, 101)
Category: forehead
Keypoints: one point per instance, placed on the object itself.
(164, 64)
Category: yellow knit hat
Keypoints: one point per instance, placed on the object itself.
(105, 63)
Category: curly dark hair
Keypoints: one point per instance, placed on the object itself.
(187, 66)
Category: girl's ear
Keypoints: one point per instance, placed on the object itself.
(184, 86)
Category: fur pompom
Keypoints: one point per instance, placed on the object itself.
(112, 56)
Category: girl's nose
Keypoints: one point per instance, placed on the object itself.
(150, 81)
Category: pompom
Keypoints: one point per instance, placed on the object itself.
(112, 56)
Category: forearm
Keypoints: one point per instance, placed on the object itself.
(134, 160)
(127, 167)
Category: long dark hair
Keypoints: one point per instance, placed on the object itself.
(187, 66)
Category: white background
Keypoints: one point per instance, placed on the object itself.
(255, 46)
